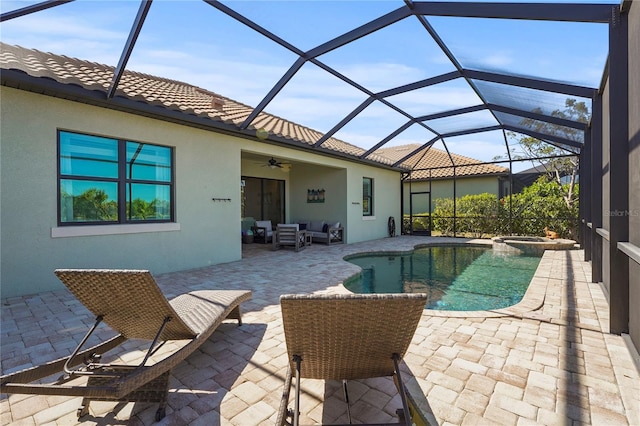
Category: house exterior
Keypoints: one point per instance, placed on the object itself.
(153, 177)
(433, 176)
(527, 177)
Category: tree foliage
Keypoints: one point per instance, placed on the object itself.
(543, 204)
(476, 215)
(90, 206)
(560, 169)
(93, 205)
(538, 206)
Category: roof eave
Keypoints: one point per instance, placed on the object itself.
(497, 174)
(46, 86)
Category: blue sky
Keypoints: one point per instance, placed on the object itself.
(194, 42)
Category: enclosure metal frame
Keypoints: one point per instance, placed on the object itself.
(590, 153)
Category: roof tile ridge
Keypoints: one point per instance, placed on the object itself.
(51, 55)
(297, 131)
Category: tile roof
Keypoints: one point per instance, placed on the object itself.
(421, 162)
(166, 93)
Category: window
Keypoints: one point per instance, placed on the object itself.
(367, 196)
(113, 181)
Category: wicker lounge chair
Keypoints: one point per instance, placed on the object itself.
(131, 303)
(344, 337)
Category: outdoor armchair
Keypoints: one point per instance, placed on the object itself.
(289, 235)
(263, 231)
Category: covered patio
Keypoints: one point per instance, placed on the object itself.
(556, 364)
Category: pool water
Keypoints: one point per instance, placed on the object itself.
(456, 278)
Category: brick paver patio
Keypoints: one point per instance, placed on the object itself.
(548, 360)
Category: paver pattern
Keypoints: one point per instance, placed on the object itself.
(549, 360)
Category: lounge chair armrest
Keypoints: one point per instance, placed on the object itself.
(335, 234)
(259, 230)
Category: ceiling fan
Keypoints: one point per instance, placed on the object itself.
(274, 164)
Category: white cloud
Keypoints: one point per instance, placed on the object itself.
(97, 38)
(437, 98)
(378, 76)
(480, 146)
(498, 59)
(358, 139)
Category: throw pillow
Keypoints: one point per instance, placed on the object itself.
(315, 225)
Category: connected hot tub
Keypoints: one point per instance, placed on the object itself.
(531, 244)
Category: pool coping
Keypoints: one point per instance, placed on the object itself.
(532, 300)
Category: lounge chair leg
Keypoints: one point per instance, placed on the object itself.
(164, 396)
(296, 413)
(236, 314)
(401, 389)
(346, 398)
(160, 413)
(284, 411)
(84, 408)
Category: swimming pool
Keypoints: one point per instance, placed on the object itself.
(456, 278)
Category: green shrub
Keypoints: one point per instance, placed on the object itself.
(478, 213)
(420, 223)
(542, 205)
(443, 216)
(527, 213)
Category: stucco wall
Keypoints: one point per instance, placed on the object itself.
(386, 203)
(208, 165)
(634, 169)
(444, 189)
(313, 176)
(342, 182)
(29, 215)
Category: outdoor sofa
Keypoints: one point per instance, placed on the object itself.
(324, 232)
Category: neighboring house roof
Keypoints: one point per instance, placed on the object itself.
(434, 163)
(150, 95)
(527, 177)
(537, 169)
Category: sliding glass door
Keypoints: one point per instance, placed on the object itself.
(263, 199)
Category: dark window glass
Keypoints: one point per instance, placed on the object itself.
(88, 201)
(148, 162)
(148, 202)
(263, 199)
(367, 196)
(105, 180)
(83, 155)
